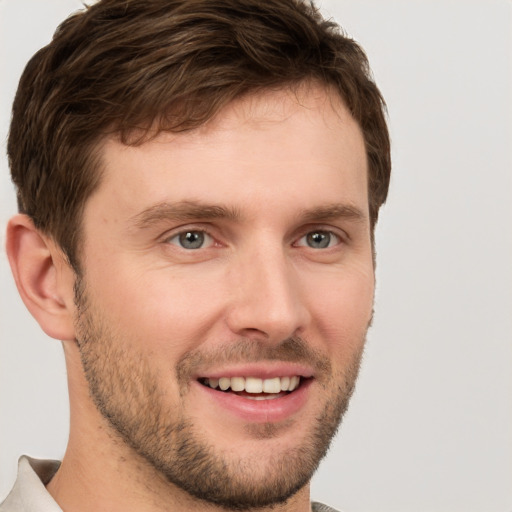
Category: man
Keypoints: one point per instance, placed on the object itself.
(198, 183)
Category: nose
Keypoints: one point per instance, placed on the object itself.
(267, 302)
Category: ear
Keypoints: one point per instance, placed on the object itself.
(43, 276)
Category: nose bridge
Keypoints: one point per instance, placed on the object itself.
(268, 300)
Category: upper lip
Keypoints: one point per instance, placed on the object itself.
(258, 370)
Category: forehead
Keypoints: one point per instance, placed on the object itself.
(301, 142)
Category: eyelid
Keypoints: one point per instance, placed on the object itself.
(177, 231)
(340, 234)
(336, 243)
(208, 240)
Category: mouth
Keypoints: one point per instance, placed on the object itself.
(254, 388)
(256, 394)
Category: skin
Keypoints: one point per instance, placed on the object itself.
(282, 166)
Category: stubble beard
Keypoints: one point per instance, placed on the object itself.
(125, 391)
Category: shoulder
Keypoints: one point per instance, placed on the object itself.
(320, 507)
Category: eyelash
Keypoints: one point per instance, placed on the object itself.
(331, 234)
(178, 235)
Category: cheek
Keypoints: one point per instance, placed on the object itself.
(343, 309)
(164, 308)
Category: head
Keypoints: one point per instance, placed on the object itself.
(212, 172)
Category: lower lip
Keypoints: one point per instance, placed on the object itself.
(260, 411)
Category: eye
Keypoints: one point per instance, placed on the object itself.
(319, 239)
(190, 240)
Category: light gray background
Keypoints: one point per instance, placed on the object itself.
(430, 425)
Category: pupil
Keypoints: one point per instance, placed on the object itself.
(319, 240)
(192, 239)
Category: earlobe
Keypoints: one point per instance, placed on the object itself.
(43, 277)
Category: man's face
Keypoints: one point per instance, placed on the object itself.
(220, 262)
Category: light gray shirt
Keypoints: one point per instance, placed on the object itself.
(29, 493)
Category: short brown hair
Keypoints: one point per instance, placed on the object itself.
(122, 66)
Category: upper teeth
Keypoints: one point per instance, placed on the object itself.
(255, 385)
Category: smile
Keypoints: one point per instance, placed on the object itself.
(253, 387)
(263, 399)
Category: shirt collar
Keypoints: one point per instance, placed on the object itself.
(29, 493)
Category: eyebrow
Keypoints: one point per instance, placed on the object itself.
(333, 212)
(182, 211)
(193, 210)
